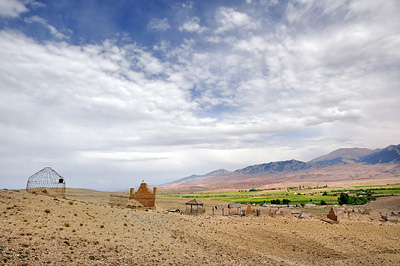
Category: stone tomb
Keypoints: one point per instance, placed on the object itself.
(331, 215)
(144, 196)
(249, 210)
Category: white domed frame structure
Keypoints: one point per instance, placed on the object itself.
(46, 181)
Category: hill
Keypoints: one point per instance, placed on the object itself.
(83, 229)
(338, 165)
(343, 155)
(390, 154)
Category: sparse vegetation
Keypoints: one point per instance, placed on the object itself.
(148, 236)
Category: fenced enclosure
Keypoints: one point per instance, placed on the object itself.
(46, 181)
(199, 207)
(219, 207)
(233, 206)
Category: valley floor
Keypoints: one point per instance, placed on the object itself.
(84, 230)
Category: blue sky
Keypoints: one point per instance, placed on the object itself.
(109, 93)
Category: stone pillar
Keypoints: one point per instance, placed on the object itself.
(155, 196)
(132, 192)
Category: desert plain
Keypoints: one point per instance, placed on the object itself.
(83, 229)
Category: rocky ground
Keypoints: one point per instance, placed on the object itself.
(82, 229)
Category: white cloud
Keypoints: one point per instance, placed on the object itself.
(73, 92)
(43, 22)
(192, 25)
(331, 79)
(33, 4)
(159, 24)
(230, 19)
(299, 11)
(11, 8)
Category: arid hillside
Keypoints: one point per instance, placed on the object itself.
(334, 174)
(83, 229)
(342, 165)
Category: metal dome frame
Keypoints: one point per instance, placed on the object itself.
(46, 181)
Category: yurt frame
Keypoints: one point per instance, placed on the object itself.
(46, 181)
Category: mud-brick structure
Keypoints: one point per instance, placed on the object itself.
(249, 210)
(331, 215)
(144, 196)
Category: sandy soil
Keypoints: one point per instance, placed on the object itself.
(83, 229)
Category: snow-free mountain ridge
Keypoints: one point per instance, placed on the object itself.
(345, 163)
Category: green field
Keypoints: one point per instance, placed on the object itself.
(295, 195)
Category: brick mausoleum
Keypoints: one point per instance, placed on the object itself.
(144, 196)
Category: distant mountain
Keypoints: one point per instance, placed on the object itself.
(390, 154)
(194, 178)
(274, 167)
(342, 155)
(341, 164)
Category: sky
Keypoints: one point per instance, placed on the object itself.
(110, 93)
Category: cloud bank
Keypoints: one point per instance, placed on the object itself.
(214, 86)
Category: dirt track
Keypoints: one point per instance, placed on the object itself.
(84, 229)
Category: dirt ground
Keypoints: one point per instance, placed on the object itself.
(83, 229)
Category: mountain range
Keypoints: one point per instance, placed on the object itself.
(346, 164)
